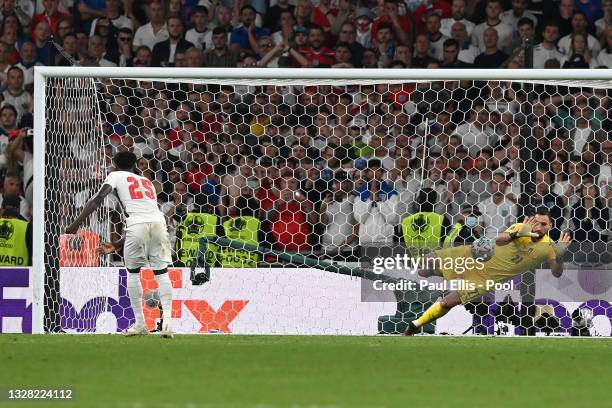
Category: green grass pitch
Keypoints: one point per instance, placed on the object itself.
(225, 371)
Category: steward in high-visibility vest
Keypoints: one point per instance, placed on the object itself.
(244, 227)
(466, 230)
(194, 226)
(424, 230)
(15, 234)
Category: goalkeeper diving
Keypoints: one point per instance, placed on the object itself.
(522, 247)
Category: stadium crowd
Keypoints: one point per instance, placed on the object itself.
(329, 168)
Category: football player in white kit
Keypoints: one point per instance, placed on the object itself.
(146, 242)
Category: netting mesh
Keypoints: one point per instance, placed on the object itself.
(342, 172)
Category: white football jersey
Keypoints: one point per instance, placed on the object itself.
(137, 197)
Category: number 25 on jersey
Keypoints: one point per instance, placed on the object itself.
(136, 193)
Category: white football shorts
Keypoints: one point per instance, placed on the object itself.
(147, 244)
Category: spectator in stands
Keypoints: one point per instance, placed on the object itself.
(592, 158)
(142, 57)
(244, 37)
(234, 181)
(458, 15)
(197, 35)
(421, 57)
(424, 9)
(467, 51)
(12, 186)
(9, 37)
(591, 216)
(273, 20)
(580, 25)
(51, 14)
(467, 229)
(518, 12)
(452, 197)
(165, 51)
(604, 179)
(15, 94)
(492, 56)
(500, 210)
(604, 58)
(375, 207)
(97, 53)
(579, 55)
(26, 63)
(124, 54)
(504, 33)
(564, 15)
(194, 58)
(223, 19)
(436, 38)
(547, 49)
(576, 175)
(64, 27)
(8, 119)
(181, 202)
(82, 43)
(118, 20)
(363, 22)
(317, 54)
(543, 195)
(348, 35)
(341, 234)
(19, 157)
(220, 55)
(324, 15)
(474, 132)
(292, 218)
(174, 8)
(401, 26)
(198, 170)
(526, 30)
(23, 10)
(69, 43)
(403, 54)
(285, 31)
(450, 57)
(90, 9)
(155, 31)
(605, 21)
(45, 53)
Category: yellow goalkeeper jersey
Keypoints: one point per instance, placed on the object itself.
(514, 258)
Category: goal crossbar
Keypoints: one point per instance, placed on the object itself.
(599, 78)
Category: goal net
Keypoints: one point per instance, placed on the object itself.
(310, 187)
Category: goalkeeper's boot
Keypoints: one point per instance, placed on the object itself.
(411, 330)
(166, 332)
(136, 330)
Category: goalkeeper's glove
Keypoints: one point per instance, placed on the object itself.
(561, 246)
(524, 231)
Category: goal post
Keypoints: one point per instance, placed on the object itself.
(67, 109)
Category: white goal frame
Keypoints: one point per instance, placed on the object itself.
(583, 77)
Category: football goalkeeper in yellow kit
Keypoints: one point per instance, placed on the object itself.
(522, 247)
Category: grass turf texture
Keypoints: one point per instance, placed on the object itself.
(301, 371)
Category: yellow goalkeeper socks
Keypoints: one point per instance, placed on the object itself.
(434, 312)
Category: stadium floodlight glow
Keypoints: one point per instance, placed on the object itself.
(73, 105)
